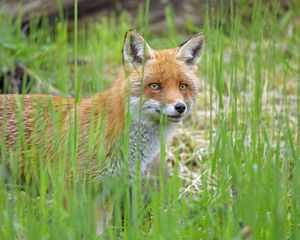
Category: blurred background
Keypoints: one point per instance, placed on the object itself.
(189, 12)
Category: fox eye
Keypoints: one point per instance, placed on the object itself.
(183, 86)
(155, 86)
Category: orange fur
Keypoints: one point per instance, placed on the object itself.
(169, 72)
(17, 111)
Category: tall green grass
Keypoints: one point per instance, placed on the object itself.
(239, 174)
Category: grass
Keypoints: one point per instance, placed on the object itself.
(235, 163)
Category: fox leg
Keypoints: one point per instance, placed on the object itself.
(104, 212)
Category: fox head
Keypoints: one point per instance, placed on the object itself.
(165, 80)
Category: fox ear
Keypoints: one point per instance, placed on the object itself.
(191, 50)
(135, 49)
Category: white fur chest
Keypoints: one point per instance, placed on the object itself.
(145, 142)
(145, 136)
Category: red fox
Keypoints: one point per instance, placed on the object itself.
(153, 83)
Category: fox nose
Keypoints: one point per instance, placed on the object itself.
(180, 107)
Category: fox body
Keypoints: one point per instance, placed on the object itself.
(157, 83)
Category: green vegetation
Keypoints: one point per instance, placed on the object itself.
(235, 163)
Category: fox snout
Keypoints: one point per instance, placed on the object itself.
(180, 107)
(174, 112)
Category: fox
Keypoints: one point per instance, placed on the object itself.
(152, 83)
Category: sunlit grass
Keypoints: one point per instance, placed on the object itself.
(234, 162)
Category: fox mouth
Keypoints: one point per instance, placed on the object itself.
(175, 118)
(171, 118)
